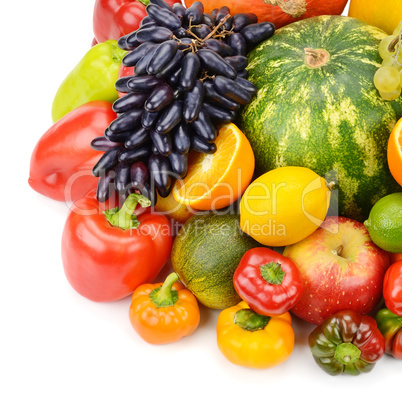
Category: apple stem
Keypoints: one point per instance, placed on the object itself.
(338, 250)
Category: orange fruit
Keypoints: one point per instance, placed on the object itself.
(394, 152)
(216, 180)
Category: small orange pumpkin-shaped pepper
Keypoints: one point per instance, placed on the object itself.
(164, 312)
(252, 340)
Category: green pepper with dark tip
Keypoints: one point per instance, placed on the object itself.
(347, 343)
(390, 326)
(93, 78)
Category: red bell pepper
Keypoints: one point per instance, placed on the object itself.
(390, 325)
(124, 72)
(115, 18)
(107, 255)
(268, 282)
(392, 288)
(62, 160)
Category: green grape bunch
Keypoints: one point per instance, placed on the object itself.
(388, 78)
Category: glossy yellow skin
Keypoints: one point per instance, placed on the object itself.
(284, 205)
(172, 209)
(259, 349)
(384, 14)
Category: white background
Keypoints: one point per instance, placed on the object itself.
(54, 344)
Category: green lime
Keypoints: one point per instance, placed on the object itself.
(384, 223)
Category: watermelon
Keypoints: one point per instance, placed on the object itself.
(317, 107)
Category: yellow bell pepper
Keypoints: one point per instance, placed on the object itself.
(252, 340)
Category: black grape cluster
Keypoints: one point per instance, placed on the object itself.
(189, 78)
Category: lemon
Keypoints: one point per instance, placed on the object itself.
(384, 223)
(284, 206)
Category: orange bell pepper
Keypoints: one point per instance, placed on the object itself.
(164, 312)
(252, 340)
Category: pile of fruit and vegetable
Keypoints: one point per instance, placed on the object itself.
(253, 148)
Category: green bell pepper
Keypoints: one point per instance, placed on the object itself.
(390, 326)
(93, 78)
(347, 343)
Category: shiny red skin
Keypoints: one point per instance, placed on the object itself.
(347, 327)
(397, 345)
(105, 263)
(392, 288)
(124, 72)
(390, 325)
(62, 160)
(115, 18)
(334, 283)
(263, 297)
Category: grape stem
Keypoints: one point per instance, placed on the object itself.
(392, 45)
(213, 32)
(206, 76)
(192, 33)
(193, 45)
(392, 48)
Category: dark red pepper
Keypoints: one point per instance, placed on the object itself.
(390, 326)
(268, 282)
(347, 343)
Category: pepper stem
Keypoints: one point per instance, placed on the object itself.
(249, 320)
(124, 218)
(272, 273)
(165, 296)
(347, 353)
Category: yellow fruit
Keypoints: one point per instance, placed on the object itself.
(284, 206)
(384, 223)
(384, 14)
(398, 29)
(172, 209)
(216, 180)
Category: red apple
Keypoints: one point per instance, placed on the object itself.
(341, 267)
